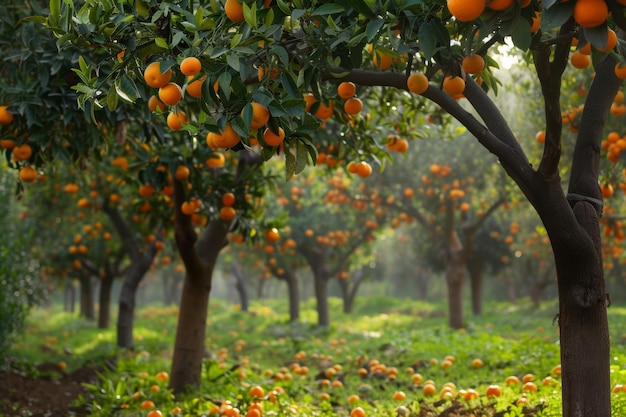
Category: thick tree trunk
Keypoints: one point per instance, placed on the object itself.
(69, 296)
(189, 349)
(87, 309)
(294, 297)
(126, 306)
(240, 286)
(344, 287)
(104, 313)
(475, 269)
(454, 277)
(321, 297)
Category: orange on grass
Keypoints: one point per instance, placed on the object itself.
(429, 389)
(529, 386)
(176, 119)
(182, 172)
(271, 138)
(155, 104)
(260, 115)
(155, 413)
(453, 85)
(154, 77)
(194, 88)
(146, 405)
(620, 71)
(234, 11)
(170, 94)
(227, 213)
(190, 66)
(398, 396)
(5, 117)
(466, 10)
(216, 160)
(473, 64)
(28, 174)
(500, 4)
(228, 199)
(590, 13)
(353, 106)
(417, 83)
(22, 152)
(346, 90)
(580, 60)
(493, 391)
(357, 412)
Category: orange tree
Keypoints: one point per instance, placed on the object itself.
(286, 49)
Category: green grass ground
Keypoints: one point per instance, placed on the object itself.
(386, 345)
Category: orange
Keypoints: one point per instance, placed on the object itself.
(540, 136)
(363, 169)
(5, 117)
(188, 208)
(146, 190)
(154, 77)
(211, 140)
(466, 10)
(182, 172)
(227, 213)
(228, 138)
(417, 83)
(512, 380)
(590, 13)
(429, 389)
(22, 152)
(176, 119)
(155, 104)
(263, 70)
(170, 94)
(216, 160)
(260, 115)
(620, 70)
(234, 11)
(357, 412)
(28, 174)
(453, 85)
(146, 405)
(611, 41)
(194, 88)
(309, 100)
(155, 413)
(493, 391)
(228, 199)
(7, 144)
(473, 64)
(272, 139)
(272, 235)
(529, 386)
(353, 105)
(536, 22)
(346, 90)
(190, 66)
(500, 4)
(606, 190)
(325, 111)
(381, 60)
(580, 60)
(398, 396)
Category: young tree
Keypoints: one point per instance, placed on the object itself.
(307, 46)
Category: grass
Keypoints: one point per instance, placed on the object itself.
(260, 348)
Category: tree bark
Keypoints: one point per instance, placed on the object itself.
(240, 286)
(475, 268)
(455, 274)
(87, 309)
(70, 296)
(321, 296)
(104, 312)
(294, 297)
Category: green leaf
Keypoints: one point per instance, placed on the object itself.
(427, 40)
(112, 99)
(598, 36)
(247, 116)
(233, 61)
(284, 7)
(302, 157)
(373, 27)
(126, 89)
(521, 35)
(555, 16)
(327, 9)
(249, 14)
(161, 43)
(290, 165)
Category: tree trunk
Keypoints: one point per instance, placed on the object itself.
(455, 273)
(475, 268)
(126, 308)
(189, 350)
(321, 296)
(240, 286)
(344, 287)
(87, 309)
(294, 297)
(69, 296)
(104, 313)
